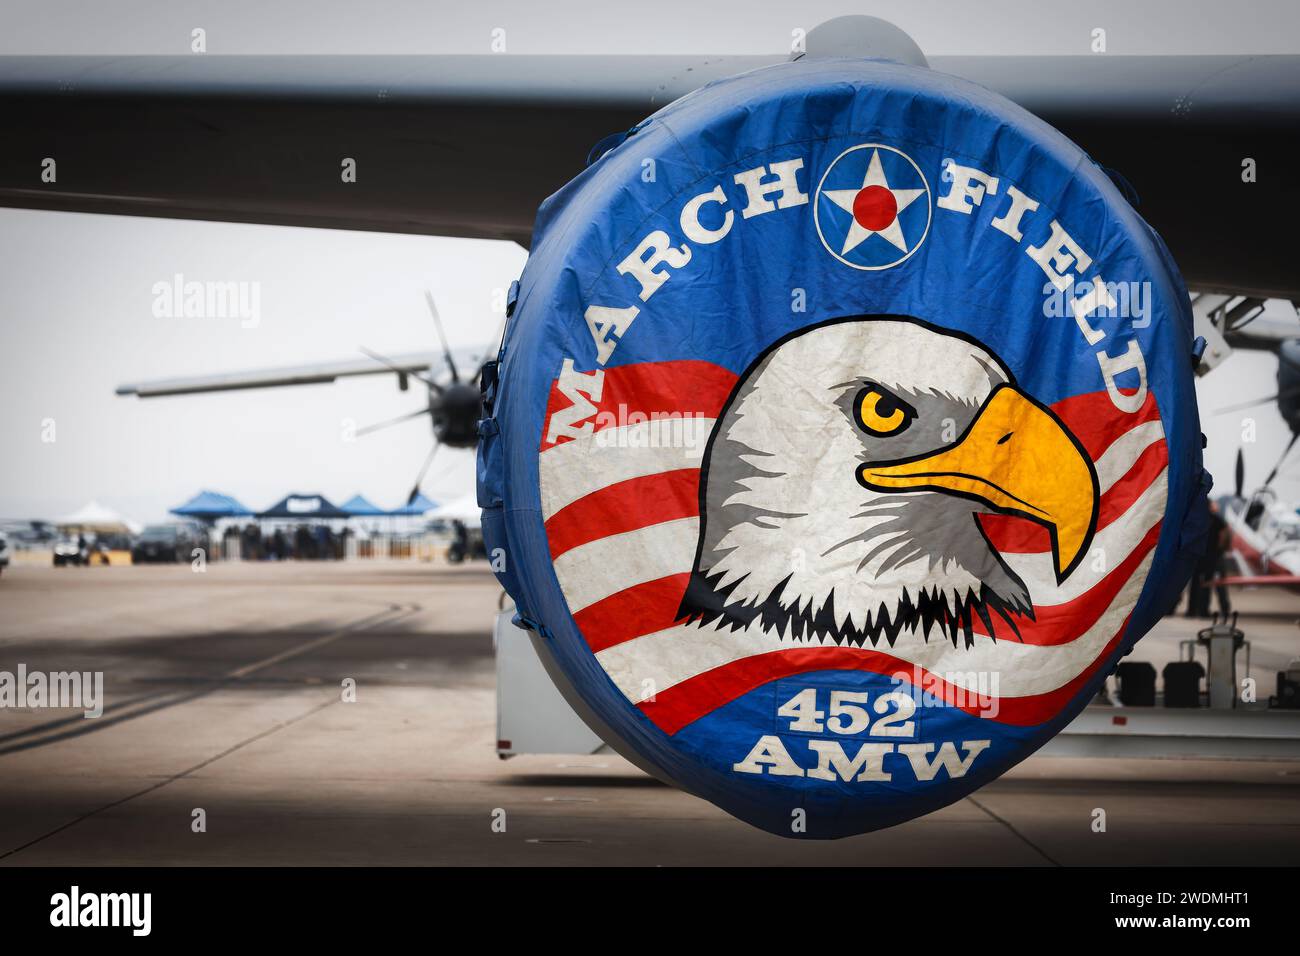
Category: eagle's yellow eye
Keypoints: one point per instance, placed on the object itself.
(880, 413)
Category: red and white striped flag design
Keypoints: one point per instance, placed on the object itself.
(620, 499)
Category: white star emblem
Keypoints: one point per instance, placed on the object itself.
(847, 198)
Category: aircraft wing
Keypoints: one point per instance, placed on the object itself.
(470, 145)
(317, 374)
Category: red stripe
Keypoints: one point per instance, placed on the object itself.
(1057, 624)
(689, 700)
(700, 388)
(638, 610)
(684, 703)
(1012, 535)
(1248, 550)
(683, 388)
(1096, 422)
(625, 506)
(1122, 495)
(631, 613)
(1024, 711)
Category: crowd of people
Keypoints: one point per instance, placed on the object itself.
(306, 542)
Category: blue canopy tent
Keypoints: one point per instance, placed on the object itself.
(210, 506)
(313, 538)
(361, 507)
(414, 509)
(300, 507)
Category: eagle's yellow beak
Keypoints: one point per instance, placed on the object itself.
(1017, 458)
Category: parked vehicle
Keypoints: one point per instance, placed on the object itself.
(72, 549)
(168, 543)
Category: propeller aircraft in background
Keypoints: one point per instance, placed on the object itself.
(1266, 529)
(452, 400)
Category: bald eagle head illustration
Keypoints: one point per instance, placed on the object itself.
(842, 485)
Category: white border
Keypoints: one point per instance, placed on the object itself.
(929, 208)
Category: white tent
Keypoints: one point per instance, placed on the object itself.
(97, 518)
(464, 509)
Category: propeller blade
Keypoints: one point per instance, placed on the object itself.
(424, 470)
(1289, 393)
(1276, 468)
(1241, 473)
(442, 336)
(392, 421)
(389, 363)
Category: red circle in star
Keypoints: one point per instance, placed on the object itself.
(874, 208)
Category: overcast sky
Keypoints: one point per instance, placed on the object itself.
(76, 303)
(76, 291)
(647, 26)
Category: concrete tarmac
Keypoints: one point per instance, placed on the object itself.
(224, 695)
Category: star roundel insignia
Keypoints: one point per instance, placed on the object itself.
(872, 208)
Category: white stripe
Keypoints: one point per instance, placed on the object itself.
(655, 662)
(569, 471)
(600, 568)
(1124, 452)
(574, 469)
(1110, 547)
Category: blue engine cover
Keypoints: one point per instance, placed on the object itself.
(844, 440)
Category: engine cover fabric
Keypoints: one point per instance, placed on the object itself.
(844, 441)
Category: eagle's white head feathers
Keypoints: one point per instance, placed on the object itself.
(841, 486)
